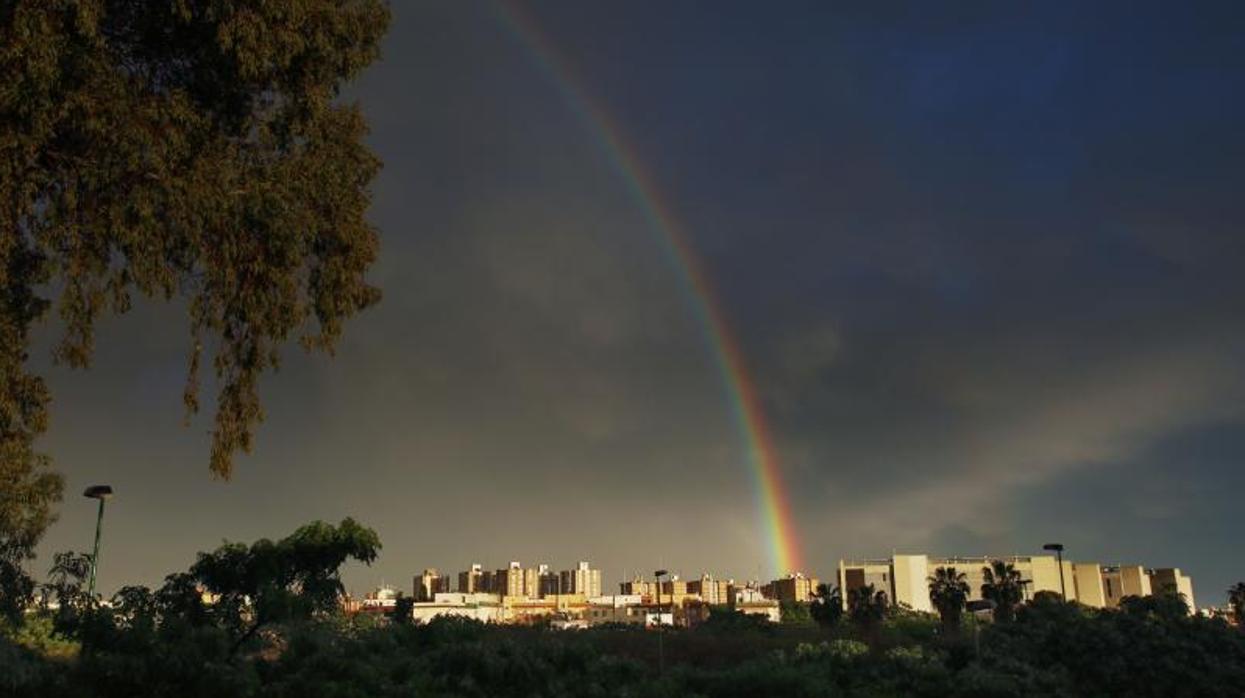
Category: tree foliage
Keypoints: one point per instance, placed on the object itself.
(294, 578)
(1003, 585)
(867, 607)
(948, 590)
(827, 605)
(1236, 599)
(181, 149)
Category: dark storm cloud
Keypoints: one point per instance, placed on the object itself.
(984, 262)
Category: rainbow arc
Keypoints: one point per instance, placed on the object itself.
(774, 502)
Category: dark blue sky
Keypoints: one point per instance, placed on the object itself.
(984, 259)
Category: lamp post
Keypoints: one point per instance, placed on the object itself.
(1058, 549)
(102, 493)
(661, 650)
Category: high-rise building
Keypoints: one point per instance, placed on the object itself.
(581, 580)
(531, 583)
(429, 584)
(550, 583)
(471, 581)
(510, 581)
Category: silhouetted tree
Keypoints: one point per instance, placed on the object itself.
(1003, 585)
(297, 577)
(948, 590)
(402, 610)
(794, 613)
(867, 607)
(827, 605)
(28, 489)
(1167, 605)
(1236, 599)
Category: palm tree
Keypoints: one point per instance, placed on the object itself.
(948, 589)
(1236, 597)
(827, 605)
(867, 607)
(1003, 586)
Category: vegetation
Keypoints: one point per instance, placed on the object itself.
(263, 620)
(948, 590)
(1003, 586)
(826, 608)
(794, 613)
(1236, 599)
(174, 149)
(867, 608)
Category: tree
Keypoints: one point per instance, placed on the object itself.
(1002, 585)
(948, 590)
(867, 608)
(1236, 599)
(188, 149)
(402, 611)
(28, 488)
(1167, 606)
(827, 605)
(795, 613)
(295, 578)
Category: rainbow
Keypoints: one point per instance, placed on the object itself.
(775, 506)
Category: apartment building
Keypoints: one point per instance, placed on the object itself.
(904, 578)
(472, 580)
(1170, 579)
(794, 587)
(1124, 580)
(712, 591)
(639, 587)
(581, 580)
(429, 584)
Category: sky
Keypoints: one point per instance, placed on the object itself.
(982, 261)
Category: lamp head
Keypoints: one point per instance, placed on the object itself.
(1057, 547)
(98, 492)
(659, 573)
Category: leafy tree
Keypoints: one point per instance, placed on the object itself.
(189, 149)
(1003, 585)
(295, 578)
(1169, 606)
(728, 621)
(827, 605)
(794, 613)
(1236, 599)
(28, 489)
(402, 610)
(867, 607)
(948, 590)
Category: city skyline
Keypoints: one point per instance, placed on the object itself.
(981, 273)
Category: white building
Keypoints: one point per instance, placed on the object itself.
(486, 608)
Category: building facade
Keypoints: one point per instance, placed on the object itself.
(905, 578)
(581, 580)
(472, 580)
(429, 584)
(793, 588)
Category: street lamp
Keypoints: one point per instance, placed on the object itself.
(661, 650)
(102, 493)
(1058, 549)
